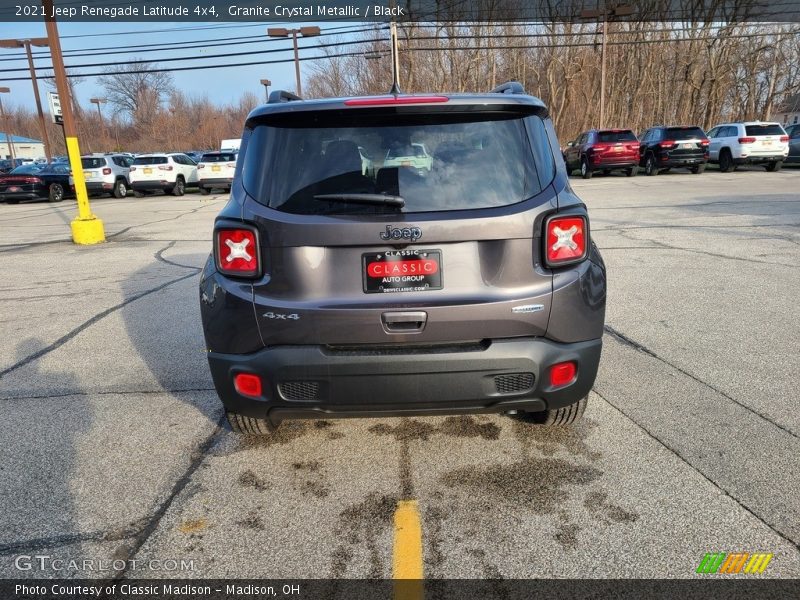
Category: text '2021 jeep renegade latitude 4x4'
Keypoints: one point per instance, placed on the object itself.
(473, 287)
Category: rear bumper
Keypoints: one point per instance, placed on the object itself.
(613, 163)
(759, 158)
(216, 182)
(98, 187)
(151, 185)
(689, 161)
(487, 377)
(20, 196)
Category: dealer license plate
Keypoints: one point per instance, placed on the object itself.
(402, 271)
(148, 171)
(215, 167)
(87, 174)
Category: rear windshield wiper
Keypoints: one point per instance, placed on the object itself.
(384, 199)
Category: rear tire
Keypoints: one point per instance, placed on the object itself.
(698, 169)
(557, 417)
(774, 167)
(179, 189)
(586, 172)
(726, 161)
(56, 192)
(249, 425)
(120, 189)
(650, 166)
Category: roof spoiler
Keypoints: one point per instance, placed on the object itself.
(279, 96)
(509, 87)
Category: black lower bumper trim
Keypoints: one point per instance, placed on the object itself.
(376, 383)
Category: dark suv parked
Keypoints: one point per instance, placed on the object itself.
(603, 150)
(663, 148)
(470, 288)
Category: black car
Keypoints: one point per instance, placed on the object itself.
(794, 143)
(334, 290)
(36, 182)
(664, 148)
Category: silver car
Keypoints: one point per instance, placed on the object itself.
(107, 174)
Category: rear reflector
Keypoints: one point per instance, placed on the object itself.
(563, 373)
(747, 140)
(566, 239)
(393, 100)
(247, 384)
(236, 252)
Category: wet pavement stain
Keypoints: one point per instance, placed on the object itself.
(359, 526)
(314, 488)
(190, 526)
(252, 521)
(457, 426)
(466, 426)
(549, 440)
(567, 535)
(610, 513)
(312, 466)
(250, 479)
(537, 483)
(432, 523)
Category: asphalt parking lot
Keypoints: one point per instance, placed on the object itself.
(114, 447)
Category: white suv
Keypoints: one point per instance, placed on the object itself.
(168, 172)
(107, 174)
(734, 144)
(215, 170)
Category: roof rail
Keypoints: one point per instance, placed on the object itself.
(510, 87)
(279, 96)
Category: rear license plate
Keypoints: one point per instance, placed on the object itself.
(617, 148)
(402, 271)
(148, 171)
(686, 146)
(87, 174)
(13, 188)
(215, 167)
(766, 143)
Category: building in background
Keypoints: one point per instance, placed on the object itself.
(23, 147)
(789, 112)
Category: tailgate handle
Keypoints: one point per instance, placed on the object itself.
(404, 322)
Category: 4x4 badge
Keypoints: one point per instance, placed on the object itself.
(405, 233)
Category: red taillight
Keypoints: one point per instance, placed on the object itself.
(165, 167)
(247, 384)
(106, 171)
(390, 100)
(747, 140)
(566, 240)
(563, 373)
(668, 144)
(237, 252)
(704, 142)
(784, 138)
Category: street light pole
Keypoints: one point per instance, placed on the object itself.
(98, 102)
(87, 228)
(305, 32)
(6, 125)
(266, 83)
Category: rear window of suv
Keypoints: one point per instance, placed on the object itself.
(770, 129)
(150, 160)
(473, 161)
(615, 136)
(93, 163)
(684, 133)
(219, 157)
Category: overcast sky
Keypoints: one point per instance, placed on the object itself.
(223, 85)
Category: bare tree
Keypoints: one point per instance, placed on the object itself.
(136, 90)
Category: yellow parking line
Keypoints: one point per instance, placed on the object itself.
(407, 562)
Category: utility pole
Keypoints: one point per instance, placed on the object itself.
(266, 83)
(607, 13)
(305, 32)
(9, 141)
(86, 228)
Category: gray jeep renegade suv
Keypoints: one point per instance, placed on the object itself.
(342, 289)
